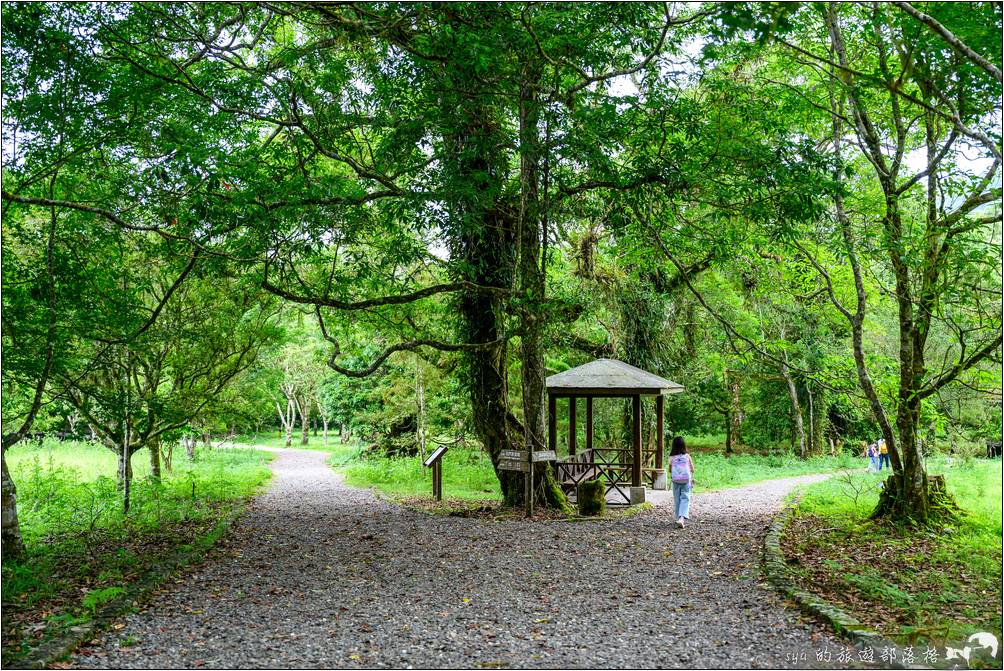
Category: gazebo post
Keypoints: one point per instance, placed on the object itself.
(660, 427)
(552, 423)
(571, 425)
(589, 423)
(636, 441)
(660, 481)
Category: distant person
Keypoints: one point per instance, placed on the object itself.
(873, 457)
(883, 453)
(681, 468)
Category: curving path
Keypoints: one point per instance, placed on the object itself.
(318, 574)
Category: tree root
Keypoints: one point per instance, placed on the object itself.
(902, 504)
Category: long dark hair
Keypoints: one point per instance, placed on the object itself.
(679, 447)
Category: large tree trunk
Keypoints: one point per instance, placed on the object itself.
(532, 286)
(13, 544)
(906, 495)
(481, 237)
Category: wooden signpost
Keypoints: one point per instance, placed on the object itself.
(512, 465)
(435, 461)
(523, 461)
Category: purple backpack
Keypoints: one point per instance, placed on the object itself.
(680, 468)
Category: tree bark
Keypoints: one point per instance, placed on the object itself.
(125, 475)
(154, 448)
(304, 408)
(796, 410)
(481, 235)
(532, 285)
(734, 416)
(812, 423)
(729, 439)
(420, 406)
(167, 452)
(287, 419)
(13, 544)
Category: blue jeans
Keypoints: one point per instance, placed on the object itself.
(875, 462)
(884, 459)
(681, 499)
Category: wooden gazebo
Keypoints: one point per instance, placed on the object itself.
(608, 378)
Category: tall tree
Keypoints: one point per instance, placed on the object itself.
(894, 95)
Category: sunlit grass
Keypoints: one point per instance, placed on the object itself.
(83, 549)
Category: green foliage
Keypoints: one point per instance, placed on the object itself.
(407, 148)
(99, 597)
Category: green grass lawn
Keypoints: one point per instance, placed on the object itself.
(716, 471)
(467, 474)
(913, 586)
(82, 550)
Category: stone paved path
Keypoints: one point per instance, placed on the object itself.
(318, 574)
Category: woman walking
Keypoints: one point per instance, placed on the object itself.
(883, 454)
(682, 472)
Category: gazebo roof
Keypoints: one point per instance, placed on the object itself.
(610, 377)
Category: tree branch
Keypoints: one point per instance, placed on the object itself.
(398, 299)
(958, 45)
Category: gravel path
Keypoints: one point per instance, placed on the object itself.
(318, 574)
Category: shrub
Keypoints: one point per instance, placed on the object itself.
(98, 597)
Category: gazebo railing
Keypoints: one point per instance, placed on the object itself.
(592, 465)
(619, 459)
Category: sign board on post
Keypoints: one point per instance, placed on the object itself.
(512, 465)
(513, 455)
(522, 461)
(434, 457)
(435, 460)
